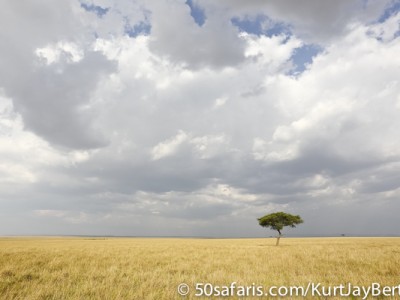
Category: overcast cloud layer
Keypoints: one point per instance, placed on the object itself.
(194, 118)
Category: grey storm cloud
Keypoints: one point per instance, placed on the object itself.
(52, 101)
(215, 44)
(139, 121)
(51, 98)
(316, 21)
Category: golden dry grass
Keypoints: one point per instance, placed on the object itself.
(137, 268)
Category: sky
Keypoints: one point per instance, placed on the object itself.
(195, 118)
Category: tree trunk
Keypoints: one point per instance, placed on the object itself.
(278, 238)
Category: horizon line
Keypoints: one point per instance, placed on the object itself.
(195, 236)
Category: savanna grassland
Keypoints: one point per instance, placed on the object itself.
(138, 268)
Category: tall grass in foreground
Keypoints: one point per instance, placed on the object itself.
(131, 268)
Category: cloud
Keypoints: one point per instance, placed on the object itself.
(207, 147)
(50, 78)
(55, 101)
(198, 129)
(217, 42)
(168, 147)
(315, 21)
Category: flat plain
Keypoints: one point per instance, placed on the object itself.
(152, 268)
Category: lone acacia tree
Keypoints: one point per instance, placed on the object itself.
(278, 220)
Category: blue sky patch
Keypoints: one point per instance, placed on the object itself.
(196, 12)
(142, 28)
(250, 25)
(260, 25)
(389, 11)
(303, 56)
(98, 10)
(278, 29)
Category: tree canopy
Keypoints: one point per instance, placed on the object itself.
(278, 220)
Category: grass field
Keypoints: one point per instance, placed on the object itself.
(137, 268)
